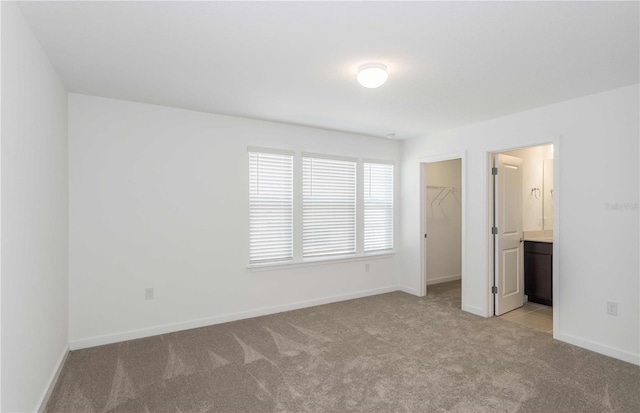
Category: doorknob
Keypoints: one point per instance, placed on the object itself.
(521, 240)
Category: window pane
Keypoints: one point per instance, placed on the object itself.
(270, 207)
(378, 207)
(329, 207)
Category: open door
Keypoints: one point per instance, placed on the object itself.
(508, 259)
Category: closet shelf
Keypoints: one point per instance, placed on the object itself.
(442, 187)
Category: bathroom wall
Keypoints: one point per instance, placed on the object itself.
(533, 177)
(444, 244)
(547, 194)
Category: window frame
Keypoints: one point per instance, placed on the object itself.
(298, 260)
(334, 201)
(393, 204)
(251, 150)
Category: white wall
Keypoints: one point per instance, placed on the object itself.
(444, 219)
(158, 198)
(0, 211)
(34, 217)
(596, 260)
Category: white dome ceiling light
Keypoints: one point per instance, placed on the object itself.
(372, 75)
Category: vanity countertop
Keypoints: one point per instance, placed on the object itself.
(539, 236)
(540, 239)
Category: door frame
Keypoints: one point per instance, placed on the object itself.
(423, 216)
(557, 194)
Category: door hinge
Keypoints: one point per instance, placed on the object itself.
(425, 235)
(494, 171)
(494, 290)
(494, 230)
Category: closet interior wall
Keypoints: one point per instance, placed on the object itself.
(444, 219)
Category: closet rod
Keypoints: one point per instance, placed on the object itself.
(449, 190)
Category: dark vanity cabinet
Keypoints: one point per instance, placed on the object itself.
(538, 259)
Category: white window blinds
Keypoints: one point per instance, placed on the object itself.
(328, 206)
(270, 207)
(378, 206)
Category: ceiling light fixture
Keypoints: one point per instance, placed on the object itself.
(372, 75)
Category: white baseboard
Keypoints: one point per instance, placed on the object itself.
(474, 310)
(599, 348)
(203, 322)
(408, 290)
(52, 380)
(448, 278)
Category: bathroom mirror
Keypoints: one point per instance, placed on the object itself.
(547, 194)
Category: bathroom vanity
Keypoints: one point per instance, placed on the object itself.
(538, 273)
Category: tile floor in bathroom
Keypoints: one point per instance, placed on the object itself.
(536, 316)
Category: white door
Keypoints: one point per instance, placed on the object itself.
(509, 264)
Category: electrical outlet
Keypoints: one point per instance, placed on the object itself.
(612, 308)
(148, 293)
(366, 267)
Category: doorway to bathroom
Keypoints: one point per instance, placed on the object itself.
(443, 229)
(522, 193)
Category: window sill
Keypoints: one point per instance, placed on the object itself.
(320, 261)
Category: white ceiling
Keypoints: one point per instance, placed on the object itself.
(450, 64)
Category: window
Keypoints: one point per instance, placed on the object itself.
(315, 207)
(328, 206)
(270, 206)
(378, 206)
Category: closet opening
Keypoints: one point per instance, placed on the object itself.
(443, 229)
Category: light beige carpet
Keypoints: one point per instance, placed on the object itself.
(389, 353)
